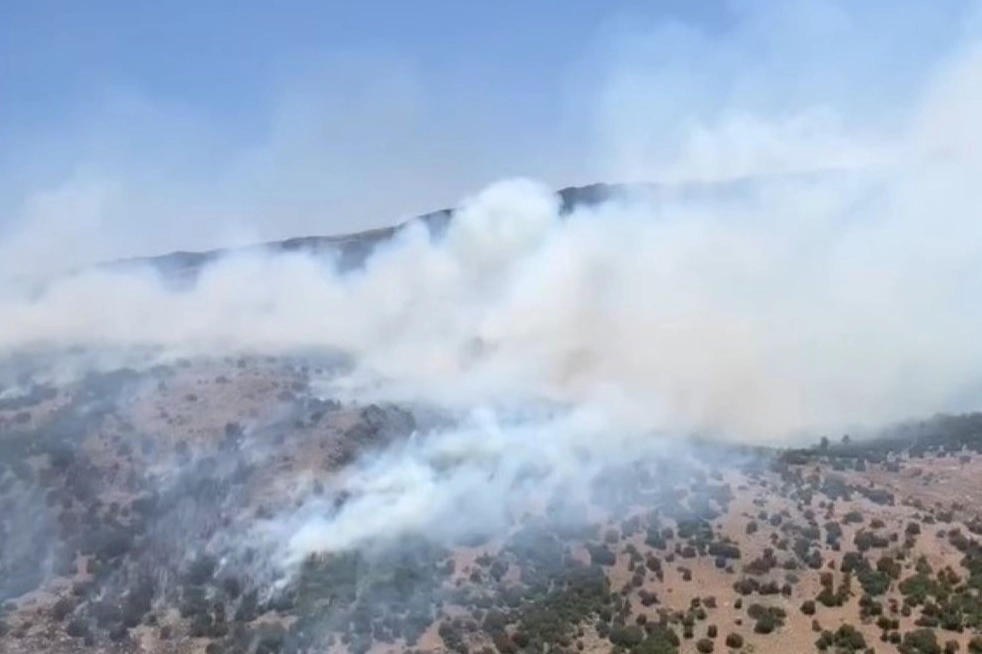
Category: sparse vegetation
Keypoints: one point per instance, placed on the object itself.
(142, 557)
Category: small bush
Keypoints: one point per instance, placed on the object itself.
(705, 646)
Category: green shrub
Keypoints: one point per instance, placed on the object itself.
(705, 646)
(920, 641)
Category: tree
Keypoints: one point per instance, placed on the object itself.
(849, 638)
(627, 637)
(765, 624)
(705, 646)
(921, 641)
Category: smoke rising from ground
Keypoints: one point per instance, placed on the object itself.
(796, 305)
(784, 308)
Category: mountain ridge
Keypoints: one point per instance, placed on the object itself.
(352, 248)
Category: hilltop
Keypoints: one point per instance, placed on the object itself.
(251, 503)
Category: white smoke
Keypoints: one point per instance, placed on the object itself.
(797, 306)
(787, 306)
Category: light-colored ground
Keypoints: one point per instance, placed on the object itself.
(193, 405)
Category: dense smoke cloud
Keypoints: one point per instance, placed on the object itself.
(795, 305)
(780, 309)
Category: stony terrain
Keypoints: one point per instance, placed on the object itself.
(124, 497)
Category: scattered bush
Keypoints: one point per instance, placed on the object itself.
(705, 646)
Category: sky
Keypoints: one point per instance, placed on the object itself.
(224, 60)
(180, 124)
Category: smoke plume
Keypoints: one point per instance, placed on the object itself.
(788, 306)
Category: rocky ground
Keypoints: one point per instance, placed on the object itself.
(121, 496)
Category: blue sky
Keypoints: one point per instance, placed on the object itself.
(222, 55)
(228, 62)
(255, 119)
